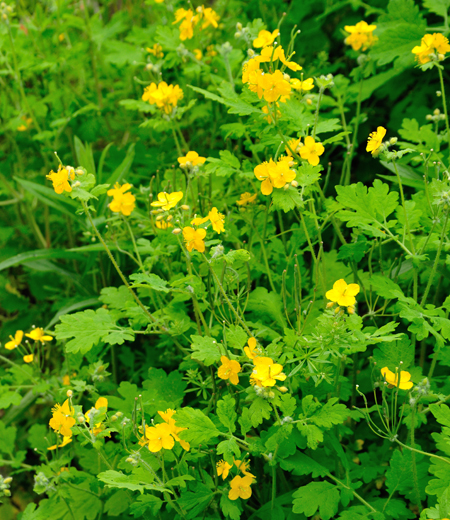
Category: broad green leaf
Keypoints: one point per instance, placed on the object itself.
(227, 413)
(153, 281)
(205, 349)
(321, 497)
(200, 428)
(118, 479)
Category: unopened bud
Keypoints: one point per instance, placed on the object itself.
(149, 66)
(282, 389)
(159, 217)
(393, 140)
(176, 231)
(429, 117)
(239, 26)
(309, 101)
(294, 184)
(76, 184)
(271, 394)
(287, 77)
(436, 111)
(286, 186)
(330, 304)
(7, 480)
(6, 492)
(69, 393)
(441, 57)
(185, 207)
(351, 310)
(169, 218)
(251, 53)
(337, 310)
(438, 93)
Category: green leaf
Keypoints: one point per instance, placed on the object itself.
(287, 405)
(84, 155)
(88, 328)
(7, 438)
(245, 422)
(117, 503)
(9, 398)
(313, 434)
(441, 413)
(152, 281)
(229, 449)
(390, 354)
(118, 479)
(259, 410)
(36, 437)
(286, 200)
(237, 255)
(179, 481)
(145, 503)
(440, 7)
(236, 104)
(236, 336)
(200, 428)
(230, 508)
(227, 413)
(320, 497)
(195, 501)
(308, 174)
(263, 302)
(400, 477)
(205, 349)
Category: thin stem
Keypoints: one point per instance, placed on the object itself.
(444, 103)
(400, 185)
(447, 461)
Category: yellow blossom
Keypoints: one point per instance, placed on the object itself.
(210, 51)
(101, 402)
(271, 87)
(156, 50)
(246, 198)
(191, 159)
(251, 350)
(403, 382)
(311, 151)
(244, 467)
(273, 54)
(274, 174)
(431, 44)
(38, 334)
(60, 179)
(210, 17)
(265, 38)
(194, 239)
(174, 429)
(198, 54)
(65, 442)
(294, 145)
(122, 202)
(375, 140)
(62, 420)
(361, 35)
(164, 96)
(269, 113)
(217, 220)
(266, 372)
(229, 370)
(240, 487)
(15, 341)
(167, 201)
(305, 85)
(163, 224)
(343, 294)
(158, 437)
(223, 469)
(28, 358)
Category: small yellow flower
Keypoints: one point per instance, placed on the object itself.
(66, 380)
(194, 239)
(246, 198)
(361, 36)
(217, 220)
(311, 151)
(28, 358)
(375, 140)
(163, 224)
(210, 51)
(431, 44)
(60, 179)
(156, 50)
(167, 201)
(191, 159)
(343, 294)
(265, 38)
(229, 370)
(159, 437)
(174, 429)
(65, 442)
(38, 334)
(306, 85)
(62, 420)
(223, 469)
(392, 379)
(294, 145)
(198, 54)
(251, 348)
(15, 341)
(244, 467)
(164, 96)
(274, 174)
(266, 372)
(240, 487)
(122, 202)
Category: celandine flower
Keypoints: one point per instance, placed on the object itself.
(28, 358)
(194, 239)
(191, 159)
(122, 202)
(343, 294)
(304, 86)
(266, 372)
(375, 140)
(240, 487)
(60, 179)
(167, 200)
(38, 334)
(65, 442)
(361, 36)
(158, 437)
(311, 151)
(223, 469)
(229, 370)
(174, 429)
(265, 38)
(62, 420)
(251, 351)
(401, 380)
(15, 341)
(164, 96)
(275, 174)
(430, 47)
(246, 198)
(156, 50)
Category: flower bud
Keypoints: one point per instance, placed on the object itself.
(251, 53)
(7, 492)
(286, 186)
(159, 217)
(69, 393)
(337, 309)
(239, 26)
(169, 218)
(441, 57)
(76, 184)
(393, 140)
(429, 117)
(7, 480)
(351, 310)
(282, 389)
(149, 66)
(330, 304)
(271, 394)
(436, 111)
(294, 184)
(176, 231)
(286, 77)
(309, 101)
(185, 207)
(438, 93)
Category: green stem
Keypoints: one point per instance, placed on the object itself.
(355, 131)
(141, 265)
(355, 494)
(400, 185)
(447, 461)
(444, 103)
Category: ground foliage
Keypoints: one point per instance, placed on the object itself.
(255, 330)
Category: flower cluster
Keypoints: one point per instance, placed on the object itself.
(156, 50)
(122, 202)
(240, 486)
(37, 334)
(217, 220)
(164, 96)
(61, 178)
(432, 47)
(204, 17)
(361, 36)
(164, 435)
(246, 198)
(275, 174)
(344, 295)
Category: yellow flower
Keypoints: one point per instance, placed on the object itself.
(250, 349)
(392, 379)
(375, 140)
(15, 341)
(343, 294)
(158, 437)
(269, 113)
(217, 220)
(163, 224)
(38, 335)
(246, 198)
(191, 159)
(122, 202)
(294, 145)
(229, 370)
(307, 84)
(274, 174)
(210, 17)
(174, 430)
(65, 442)
(164, 96)
(311, 151)
(159, 1)
(240, 487)
(198, 54)
(248, 68)
(156, 50)
(28, 358)
(210, 51)
(430, 45)
(22, 128)
(272, 87)
(361, 36)
(243, 466)
(60, 179)
(194, 239)
(62, 420)
(66, 380)
(266, 372)
(101, 402)
(223, 469)
(167, 200)
(265, 38)
(274, 54)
